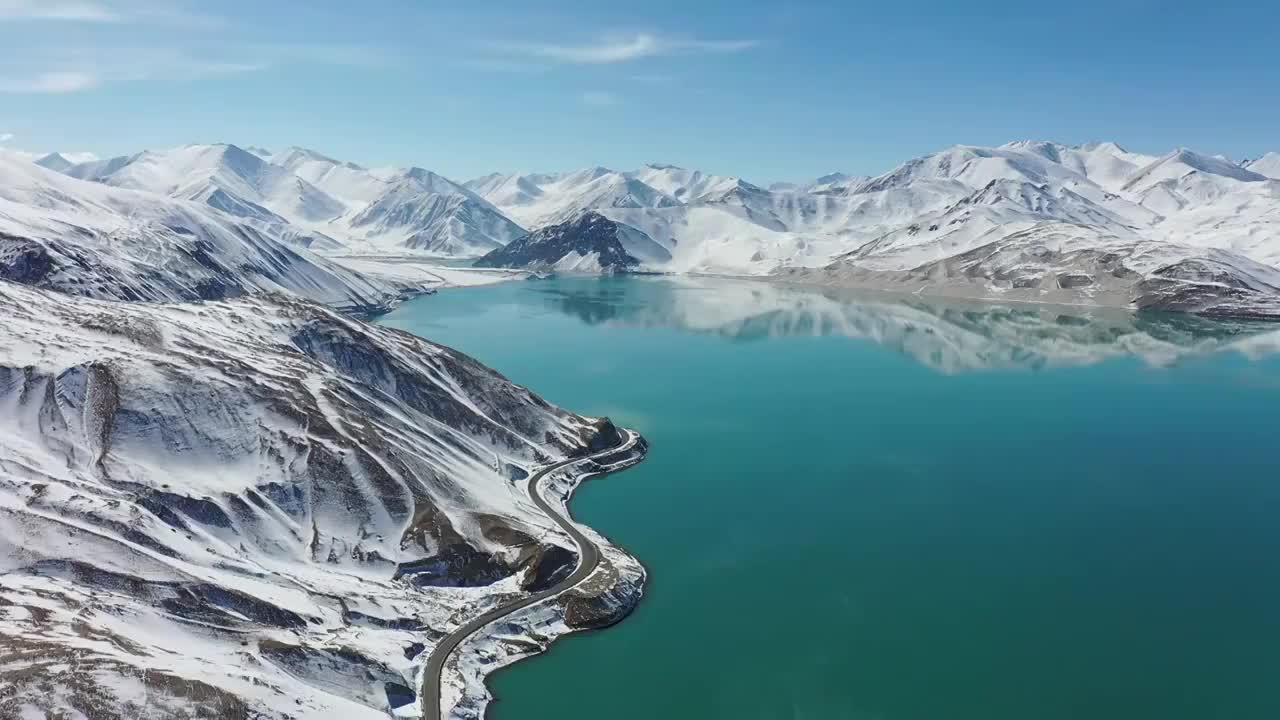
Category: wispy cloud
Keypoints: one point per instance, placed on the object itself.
(159, 12)
(600, 99)
(66, 69)
(624, 48)
(70, 70)
(5, 137)
(49, 83)
(63, 10)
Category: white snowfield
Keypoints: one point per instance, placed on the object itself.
(250, 508)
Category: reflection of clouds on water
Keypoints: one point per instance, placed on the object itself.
(950, 336)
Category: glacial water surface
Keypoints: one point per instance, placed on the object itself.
(865, 508)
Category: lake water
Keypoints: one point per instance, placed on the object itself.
(869, 508)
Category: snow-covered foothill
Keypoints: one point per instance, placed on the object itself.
(252, 508)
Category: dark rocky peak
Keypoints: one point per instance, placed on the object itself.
(589, 242)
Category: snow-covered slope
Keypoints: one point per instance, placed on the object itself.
(836, 183)
(254, 508)
(90, 239)
(315, 201)
(1071, 265)
(56, 162)
(421, 210)
(1268, 165)
(682, 184)
(548, 199)
(350, 183)
(223, 176)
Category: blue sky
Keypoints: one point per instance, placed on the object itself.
(767, 90)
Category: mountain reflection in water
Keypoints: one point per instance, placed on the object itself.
(950, 336)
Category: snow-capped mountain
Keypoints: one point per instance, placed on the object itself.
(589, 243)
(1098, 184)
(1071, 265)
(55, 161)
(928, 210)
(261, 508)
(540, 200)
(223, 176)
(925, 211)
(421, 210)
(309, 199)
(348, 182)
(685, 185)
(90, 239)
(1268, 165)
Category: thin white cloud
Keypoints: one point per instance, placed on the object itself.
(155, 12)
(600, 99)
(63, 10)
(75, 68)
(625, 48)
(55, 70)
(49, 83)
(5, 137)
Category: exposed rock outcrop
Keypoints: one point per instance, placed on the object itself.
(589, 243)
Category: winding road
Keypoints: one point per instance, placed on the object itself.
(589, 559)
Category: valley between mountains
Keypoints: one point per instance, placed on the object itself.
(224, 495)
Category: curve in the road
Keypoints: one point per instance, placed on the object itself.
(588, 560)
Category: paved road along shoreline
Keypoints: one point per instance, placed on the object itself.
(589, 559)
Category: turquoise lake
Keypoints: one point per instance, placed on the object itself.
(865, 507)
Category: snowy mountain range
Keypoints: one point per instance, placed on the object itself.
(313, 200)
(925, 209)
(95, 240)
(1031, 221)
(1177, 210)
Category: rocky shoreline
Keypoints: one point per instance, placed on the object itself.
(604, 598)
